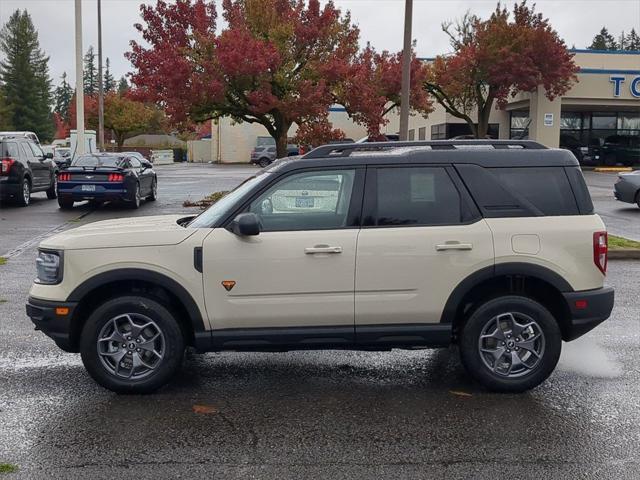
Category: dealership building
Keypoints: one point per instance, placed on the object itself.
(604, 102)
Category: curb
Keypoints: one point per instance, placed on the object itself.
(612, 169)
(624, 254)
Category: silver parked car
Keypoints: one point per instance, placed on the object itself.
(627, 188)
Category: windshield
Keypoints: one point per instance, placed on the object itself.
(212, 214)
(98, 161)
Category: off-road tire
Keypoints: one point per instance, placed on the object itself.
(173, 338)
(479, 320)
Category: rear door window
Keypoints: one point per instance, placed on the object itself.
(417, 196)
(546, 188)
(26, 151)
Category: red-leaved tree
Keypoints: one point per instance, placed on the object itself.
(276, 63)
(372, 86)
(265, 67)
(497, 58)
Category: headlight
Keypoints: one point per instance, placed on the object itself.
(49, 267)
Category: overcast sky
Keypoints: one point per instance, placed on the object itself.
(380, 22)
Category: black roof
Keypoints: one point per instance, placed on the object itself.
(486, 153)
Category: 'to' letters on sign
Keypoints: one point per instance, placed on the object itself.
(635, 87)
(618, 80)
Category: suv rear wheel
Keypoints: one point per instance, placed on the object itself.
(510, 344)
(132, 344)
(24, 197)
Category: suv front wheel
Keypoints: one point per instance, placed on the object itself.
(132, 344)
(510, 344)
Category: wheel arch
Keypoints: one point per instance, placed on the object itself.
(534, 281)
(113, 283)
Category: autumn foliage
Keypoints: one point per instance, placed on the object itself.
(124, 115)
(371, 88)
(496, 59)
(276, 63)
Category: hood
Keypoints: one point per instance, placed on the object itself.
(159, 230)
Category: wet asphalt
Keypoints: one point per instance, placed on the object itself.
(299, 415)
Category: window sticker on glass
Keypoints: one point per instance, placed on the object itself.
(422, 187)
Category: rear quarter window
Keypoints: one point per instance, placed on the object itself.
(9, 150)
(546, 188)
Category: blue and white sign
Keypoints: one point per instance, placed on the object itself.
(618, 80)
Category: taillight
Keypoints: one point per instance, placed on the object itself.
(116, 177)
(64, 177)
(6, 165)
(600, 250)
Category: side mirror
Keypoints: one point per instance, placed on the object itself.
(146, 164)
(48, 155)
(246, 224)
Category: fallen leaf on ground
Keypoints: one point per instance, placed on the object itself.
(460, 394)
(204, 409)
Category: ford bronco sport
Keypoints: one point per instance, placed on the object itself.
(491, 245)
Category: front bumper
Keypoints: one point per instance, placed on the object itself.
(57, 326)
(624, 191)
(588, 309)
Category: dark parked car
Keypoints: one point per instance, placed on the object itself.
(104, 177)
(265, 154)
(627, 188)
(62, 156)
(569, 142)
(617, 149)
(25, 169)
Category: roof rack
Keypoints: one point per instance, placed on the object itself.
(346, 149)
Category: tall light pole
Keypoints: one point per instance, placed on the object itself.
(80, 145)
(406, 71)
(100, 86)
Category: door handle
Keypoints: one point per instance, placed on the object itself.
(454, 246)
(322, 249)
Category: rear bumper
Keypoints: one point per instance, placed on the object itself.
(101, 192)
(57, 327)
(9, 189)
(588, 309)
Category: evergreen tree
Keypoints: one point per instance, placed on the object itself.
(5, 112)
(24, 75)
(632, 41)
(108, 83)
(90, 73)
(63, 95)
(622, 41)
(123, 85)
(603, 41)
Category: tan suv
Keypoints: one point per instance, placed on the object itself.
(492, 245)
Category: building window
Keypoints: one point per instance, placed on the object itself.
(519, 125)
(422, 133)
(412, 134)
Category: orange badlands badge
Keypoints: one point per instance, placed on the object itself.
(228, 284)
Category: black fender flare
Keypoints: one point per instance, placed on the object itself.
(500, 270)
(140, 274)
